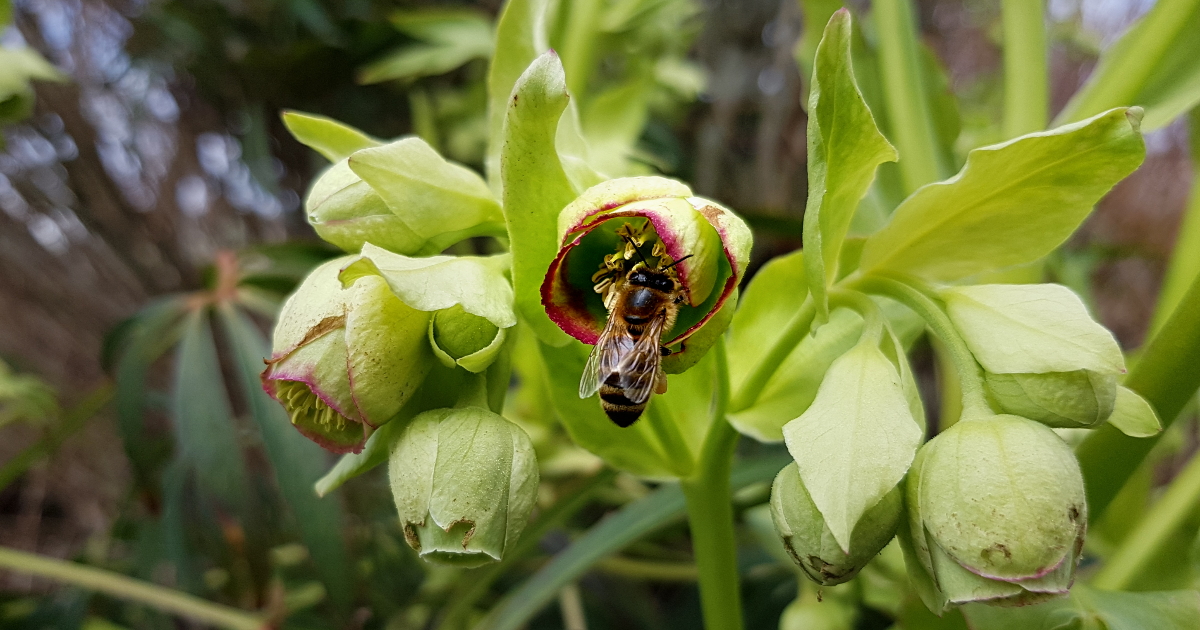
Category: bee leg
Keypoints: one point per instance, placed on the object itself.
(664, 351)
(660, 382)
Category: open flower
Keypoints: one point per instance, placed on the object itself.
(464, 481)
(996, 514)
(654, 221)
(346, 357)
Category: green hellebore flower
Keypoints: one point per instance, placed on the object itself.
(811, 544)
(464, 481)
(654, 221)
(403, 197)
(470, 297)
(1082, 398)
(996, 514)
(345, 358)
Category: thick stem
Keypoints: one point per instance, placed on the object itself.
(129, 589)
(974, 402)
(710, 514)
(1155, 528)
(793, 334)
(1166, 375)
(1026, 88)
(911, 123)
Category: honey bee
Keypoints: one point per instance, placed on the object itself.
(625, 365)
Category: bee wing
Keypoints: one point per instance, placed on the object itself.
(639, 367)
(605, 357)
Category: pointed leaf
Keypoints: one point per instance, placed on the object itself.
(298, 462)
(1133, 416)
(856, 440)
(204, 425)
(1011, 204)
(1032, 329)
(536, 188)
(844, 147)
(327, 136)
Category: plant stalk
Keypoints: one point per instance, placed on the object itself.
(710, 514)
(1167, 375)
(130, 589)
(1156, 526)
(1026, 87)
(911, 122)
(1185, 259)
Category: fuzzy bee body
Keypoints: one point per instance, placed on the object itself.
(625, 365)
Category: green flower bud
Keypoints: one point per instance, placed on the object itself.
(996, 514)
(464, 481)
(470, 297)
(1082, 398)
(345, 358)
(403, 197)
(655, 222)
(811, 544)
(460, 338)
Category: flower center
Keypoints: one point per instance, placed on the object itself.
(306, 408)
(630, 253)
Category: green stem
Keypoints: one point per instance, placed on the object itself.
(73, 421)
(974, 402)
(1026, 88)
(1185, 258)
(650, 570)
(873, 318)
(911, 122)
(666, 429)
(1118, 79)
(793, 334)
(127, 588)
(710, 514)
(1140, 546)
(1167, 375)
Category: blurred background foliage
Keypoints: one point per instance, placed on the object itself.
(152, 224)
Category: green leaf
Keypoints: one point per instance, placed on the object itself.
(1155, 64)
(449, 39)
(631, 523)
(794, 386)
(844, 147)
(520, 38)
(326, 136)
(1031, 328)
(1091, 609)
(203, 420)
(1012, 203)
(856, 440)
(298, 462)
(817, 14)
(440, 282)
(432, 195)
(1133, 416)
(536, 188)
(773, 296)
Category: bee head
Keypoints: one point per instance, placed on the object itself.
(642, 276)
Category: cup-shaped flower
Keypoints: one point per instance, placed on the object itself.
(996, 514)
(1082, 398)
(809, 541)
(464, 481)
(470, 298)
(346, 357)
(652, 222)
(403, 197)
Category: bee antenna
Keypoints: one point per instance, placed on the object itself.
(635, 248)
(677, 262)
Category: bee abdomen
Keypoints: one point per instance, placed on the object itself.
(622, 411)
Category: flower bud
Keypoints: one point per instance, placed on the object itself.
(404, 197)
(345, 358)
(461, 338)
(809, 541)
(464, 481)
(996, 513)
(1082, 398)
(652, 221)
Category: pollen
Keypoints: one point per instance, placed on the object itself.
(306, 408)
